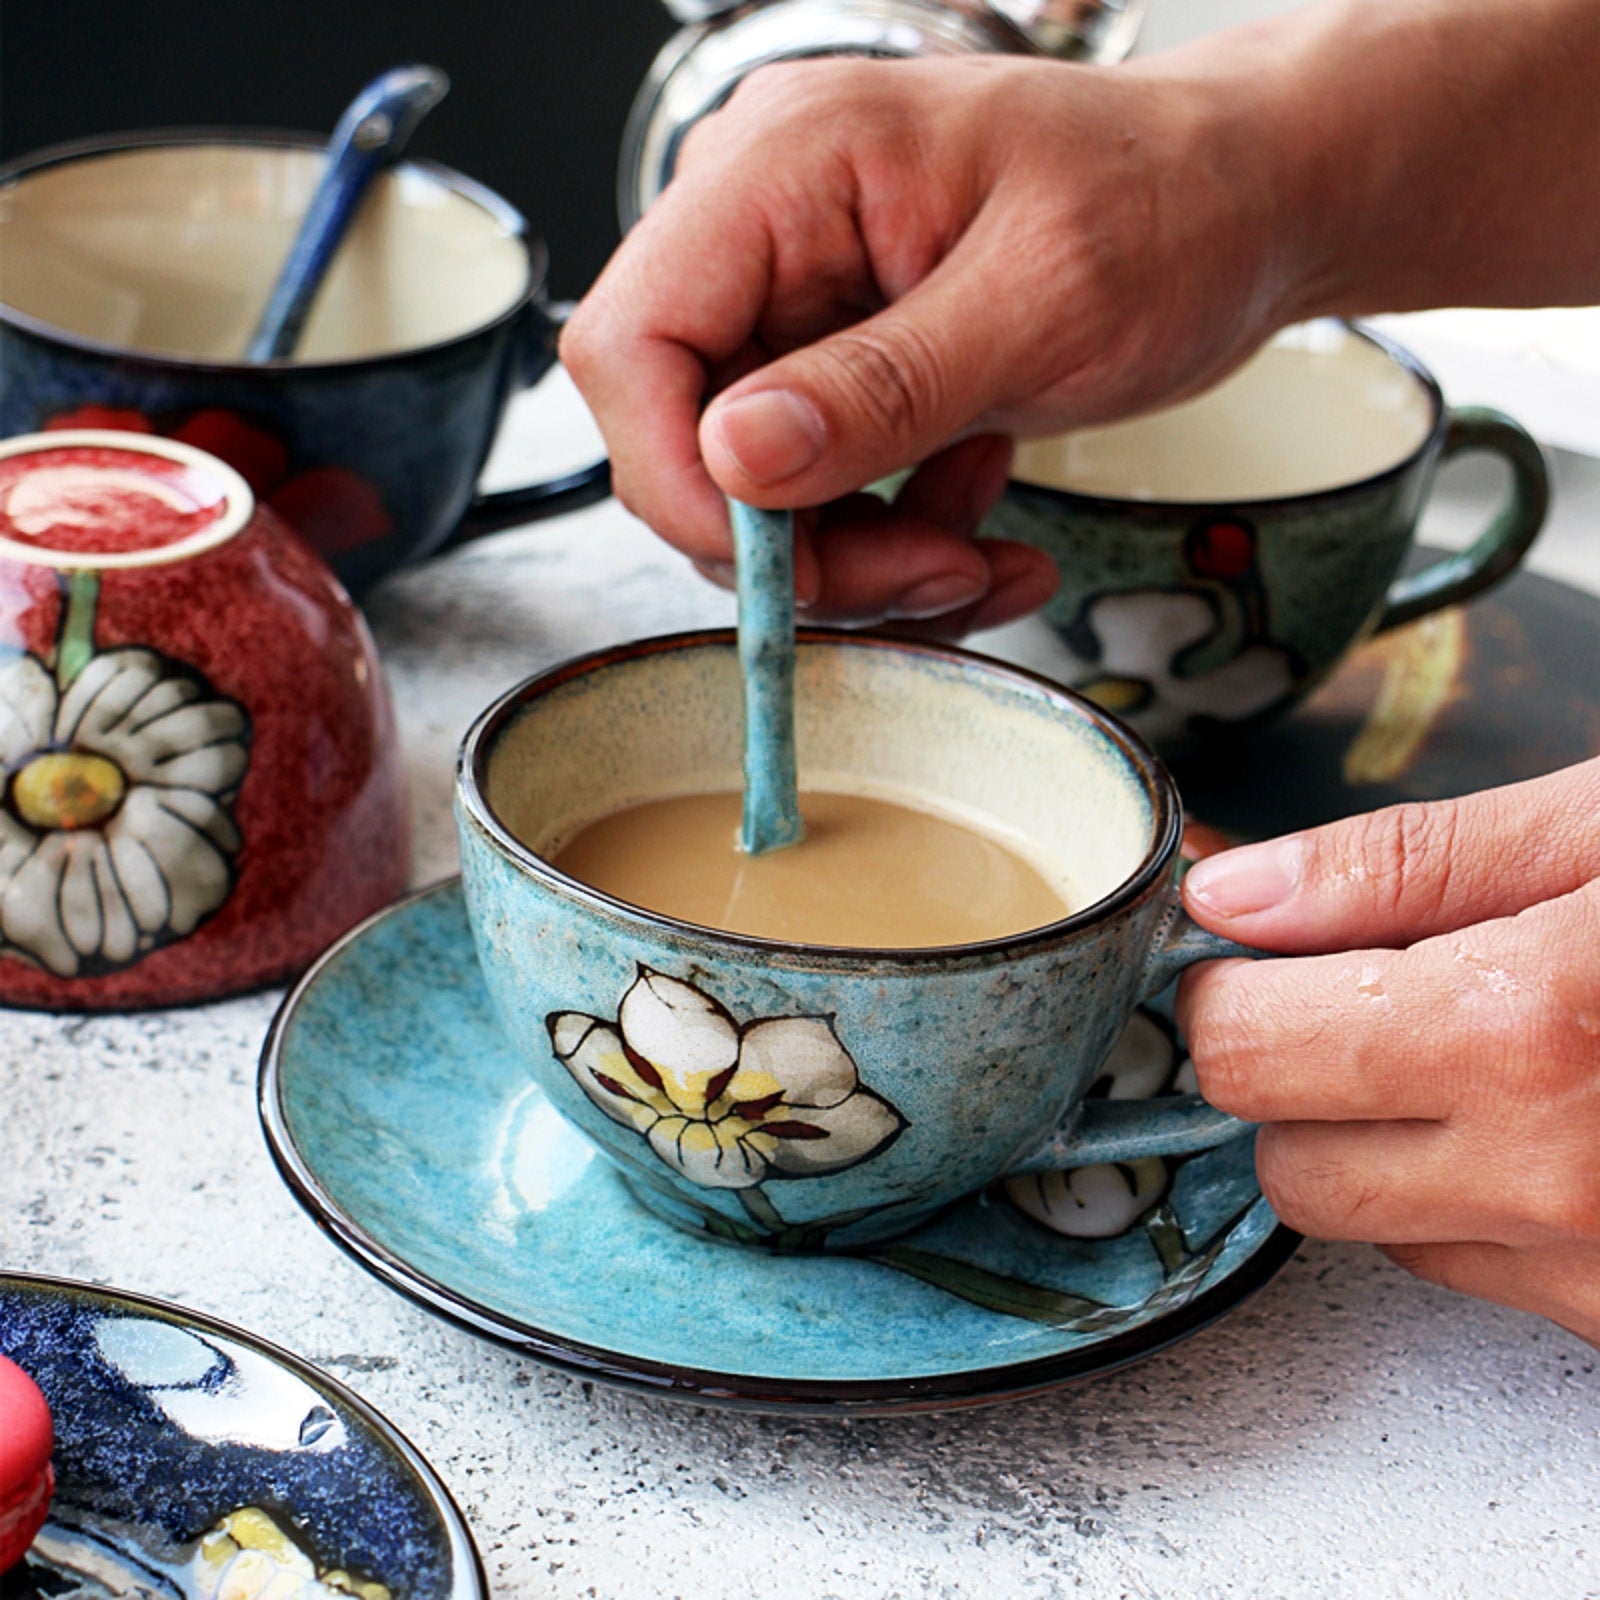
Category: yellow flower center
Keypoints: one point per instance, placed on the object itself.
(67, 789)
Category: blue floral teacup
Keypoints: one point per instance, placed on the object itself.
(133, 270)
(1219, 557)
(810, 1097)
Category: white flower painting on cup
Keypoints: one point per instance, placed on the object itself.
(115, 835)
(724, 1106)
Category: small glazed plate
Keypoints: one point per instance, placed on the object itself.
(403, 1122)
(194, 1461)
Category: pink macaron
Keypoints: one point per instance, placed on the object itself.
(27, 1479)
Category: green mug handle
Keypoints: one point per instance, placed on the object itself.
(1502, 544)
(1095, 1131)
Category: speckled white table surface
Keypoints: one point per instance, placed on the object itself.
(1346, 1431)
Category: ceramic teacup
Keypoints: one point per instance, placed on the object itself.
(200, 780)
(132, 273)
(1219, 558)
(812, 1097)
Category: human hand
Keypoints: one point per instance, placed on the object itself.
(1426, 1065)
(873, 264)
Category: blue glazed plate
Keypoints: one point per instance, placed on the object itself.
(194, 1460)
(401, 1119)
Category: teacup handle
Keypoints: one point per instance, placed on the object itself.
(1168, 1125)
(1498, 549)
(532, 502)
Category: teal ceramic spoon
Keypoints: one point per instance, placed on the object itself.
(763, 553)
(375, 128)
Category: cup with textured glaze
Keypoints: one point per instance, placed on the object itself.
(201, 784)
(133, 270)
(810, 1097)
(1220, 557)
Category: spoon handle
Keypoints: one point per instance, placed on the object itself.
(370, 136)
(763, 549)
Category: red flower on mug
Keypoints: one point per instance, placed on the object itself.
(331, 508)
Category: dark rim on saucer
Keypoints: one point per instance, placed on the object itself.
(458, 1535)
(485, 199)
(735, 1391)
(1164, 511)
(472, 770)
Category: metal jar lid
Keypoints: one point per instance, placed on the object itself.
(727, 39)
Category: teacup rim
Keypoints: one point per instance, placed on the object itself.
(111, 144)
(240, 501)
(1157, 508)
(1165, 803)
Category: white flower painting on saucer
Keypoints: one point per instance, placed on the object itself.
(115, 833)
(724, 1106)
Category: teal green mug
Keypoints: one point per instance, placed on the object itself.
(814, 1097)
(1220, 557)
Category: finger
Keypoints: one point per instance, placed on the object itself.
(649, 425)
(1409, 872)
(1384, 1182)
(677, 301)
(1560, 1282)
(893, 387)
(1362, 1036)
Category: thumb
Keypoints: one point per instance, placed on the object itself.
(1392, 877)
(862, 403)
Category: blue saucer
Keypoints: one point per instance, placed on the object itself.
(189, 1454)
(403, 1122)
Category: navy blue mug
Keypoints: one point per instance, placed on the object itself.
(133, 269)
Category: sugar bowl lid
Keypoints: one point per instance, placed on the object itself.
(724, 40)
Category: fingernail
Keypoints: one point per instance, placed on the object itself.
(935, 596)
(1253, 878)
(771, 435)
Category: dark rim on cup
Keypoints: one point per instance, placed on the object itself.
(477, 752)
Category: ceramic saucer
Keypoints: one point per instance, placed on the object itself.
(193, 1460)
(404, 1124)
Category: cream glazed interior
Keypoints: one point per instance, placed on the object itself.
(173, 250)
(1318, 407)
(993, 751)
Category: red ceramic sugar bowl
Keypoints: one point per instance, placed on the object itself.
(202, 782)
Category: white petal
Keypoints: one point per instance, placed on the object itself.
(193, 871)
(29, 915)
(206, 815)
(591, 1050)
(120, 941)
(198, 746)
(1141, 1061)
(858, 1127)
(684, 1034)
(17, 843)
(1096, 1202)
(143, 886)
(690, 1148)
(27, 708)
(1141, 632)
(801, 1056)
(97, 700)
(81, 918)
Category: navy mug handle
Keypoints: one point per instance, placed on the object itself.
(572, 491)
(1167, 1125)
